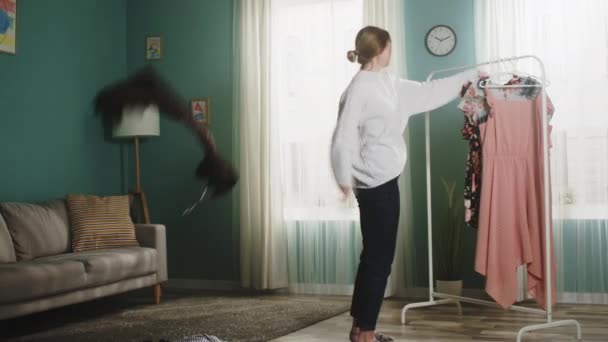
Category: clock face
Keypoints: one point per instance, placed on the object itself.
(440, 40)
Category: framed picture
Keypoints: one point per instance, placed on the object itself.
(8, 26)
(200, 110)
(154, 47)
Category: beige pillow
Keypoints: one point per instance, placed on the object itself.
(100, 222)
(7, 250)
(37, 229)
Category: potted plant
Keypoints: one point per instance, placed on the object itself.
(448, 241)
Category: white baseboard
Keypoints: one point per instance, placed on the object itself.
(234, 286)
(582, 298)
(202, 284)
(321, 289)
(414, 293)
(423, 293)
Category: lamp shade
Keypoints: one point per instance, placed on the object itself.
(138, 121)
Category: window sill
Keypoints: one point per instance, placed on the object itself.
(321, 214)
(581, 212)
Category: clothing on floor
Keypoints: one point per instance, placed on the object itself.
(379, 216)
(199, 338)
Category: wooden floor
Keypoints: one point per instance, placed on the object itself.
(478, 323)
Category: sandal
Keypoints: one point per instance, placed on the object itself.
(378, 337)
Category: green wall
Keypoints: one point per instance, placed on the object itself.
(448, 150)
(197, 61)
(52, 144)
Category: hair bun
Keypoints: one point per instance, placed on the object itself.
(351, 55)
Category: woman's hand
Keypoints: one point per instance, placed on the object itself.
(482, 74)
(346, 190)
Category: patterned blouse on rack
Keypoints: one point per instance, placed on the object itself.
(476, 111)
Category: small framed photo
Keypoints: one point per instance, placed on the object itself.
(154, 48)
(200, 110)
(8, 26)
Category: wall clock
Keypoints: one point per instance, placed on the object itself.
(440, 40)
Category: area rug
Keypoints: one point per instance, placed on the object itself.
(131, 317)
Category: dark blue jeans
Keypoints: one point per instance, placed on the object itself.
(379, 218)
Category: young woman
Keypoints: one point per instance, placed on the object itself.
(368, 153)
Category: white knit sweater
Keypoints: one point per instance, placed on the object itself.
(367, 146)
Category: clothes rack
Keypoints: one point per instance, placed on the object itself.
(451, 299)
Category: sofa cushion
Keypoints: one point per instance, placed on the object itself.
(100, 222)
(112, 265)
(37, 229)
(7, 250)
(37, 278)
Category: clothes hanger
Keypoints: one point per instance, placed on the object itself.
(539, 83)
(513, 74)
(189, 210)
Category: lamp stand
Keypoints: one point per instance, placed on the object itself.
(138, 194)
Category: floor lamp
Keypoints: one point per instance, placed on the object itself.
(138, 122)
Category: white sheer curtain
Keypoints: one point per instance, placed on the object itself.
(572, 39)
(310, 70)
(262, 238)
(389, 15)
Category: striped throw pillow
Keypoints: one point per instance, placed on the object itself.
(100, 222)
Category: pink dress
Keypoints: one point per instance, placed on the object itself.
(511, 215)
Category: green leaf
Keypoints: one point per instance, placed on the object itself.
(448, 239)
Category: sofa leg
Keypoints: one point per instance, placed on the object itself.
(157, 293)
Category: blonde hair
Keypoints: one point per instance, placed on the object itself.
(369, 43)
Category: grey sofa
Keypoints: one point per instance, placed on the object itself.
(38, 271)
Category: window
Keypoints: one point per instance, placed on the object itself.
(309, 72)
(571, 37)
(582, 189)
